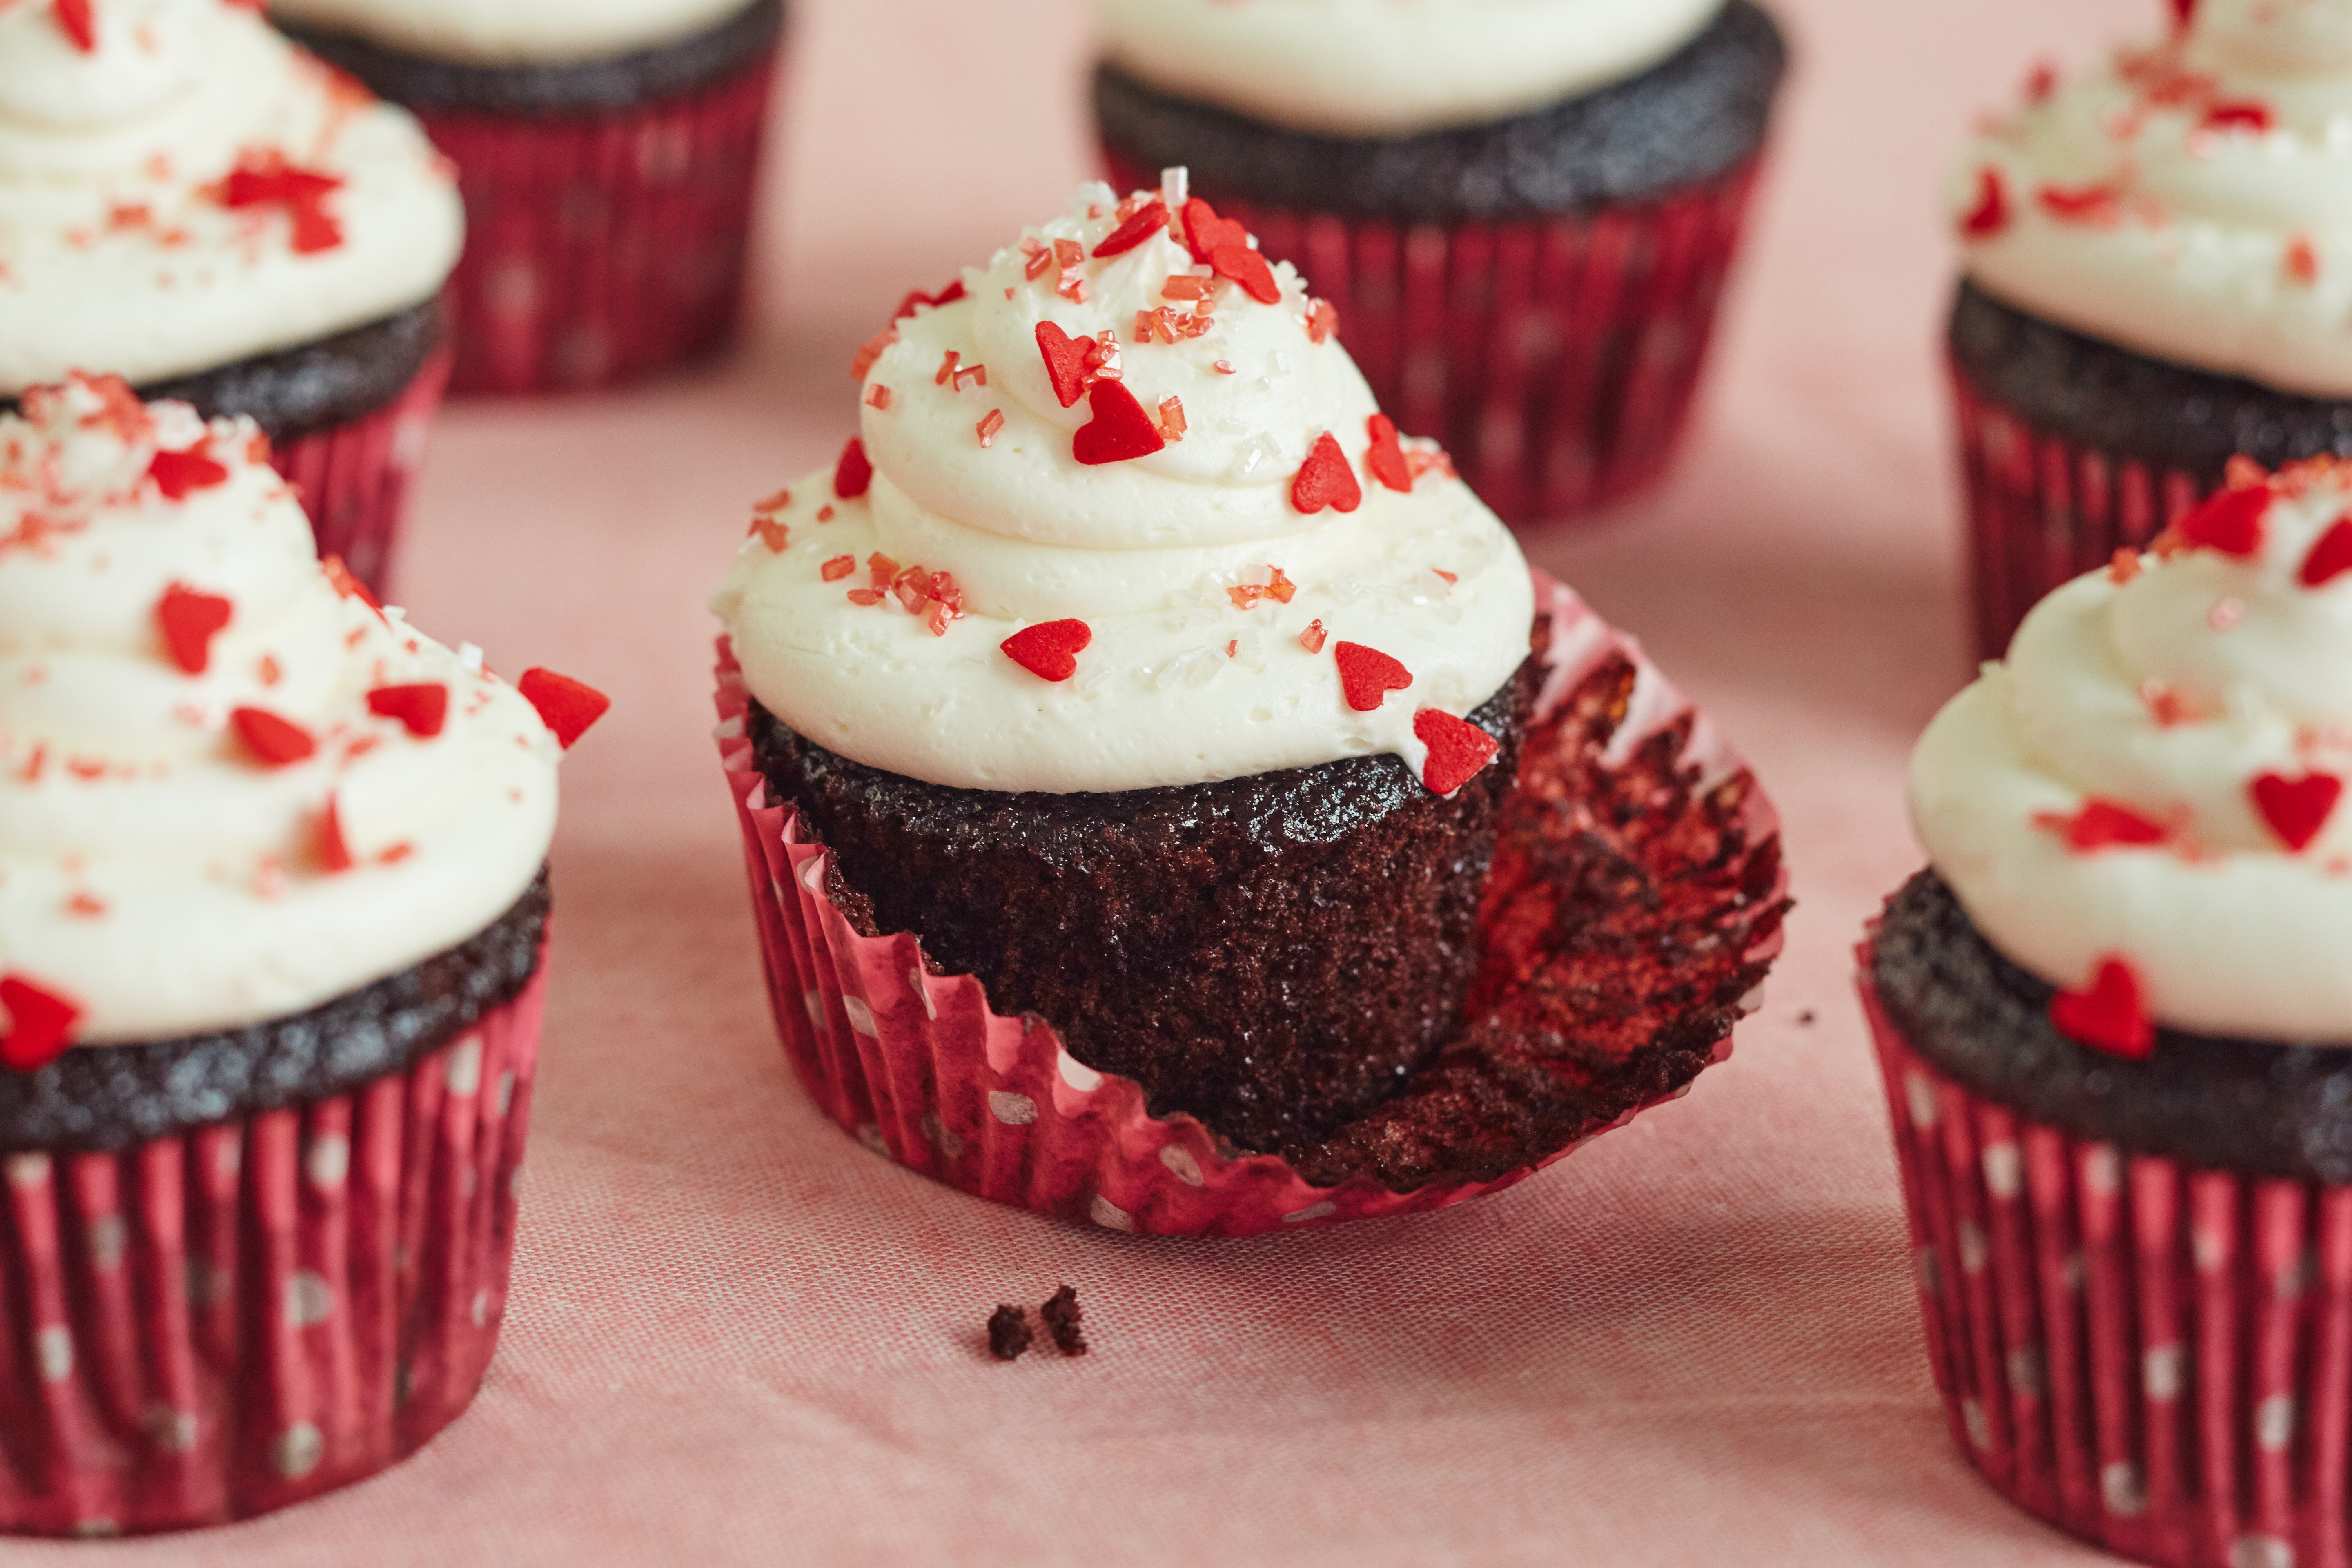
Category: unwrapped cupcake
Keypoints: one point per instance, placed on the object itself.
(1170, 794)
(273, 924)
(609, 153)
(1524, 210)
(191, 204)
(2115, 1019)
(2158, 277)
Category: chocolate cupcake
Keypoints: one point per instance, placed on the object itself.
(2115, 1020)
(273, 917)
(608, 151)
(1523, 214)
(1132, 664)
(2153, 283)
(187, 202)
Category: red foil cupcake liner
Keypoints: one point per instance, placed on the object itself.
(2043, 511)
(213, 1325)
(920, 1069)
(601, 247)
(353, 478)
(2153, 1357)
(1557, 358)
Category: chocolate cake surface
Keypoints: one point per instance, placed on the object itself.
(112, 1097)
(2094, 393)
(583, 87)
(1696, 115)
(2265, 1106)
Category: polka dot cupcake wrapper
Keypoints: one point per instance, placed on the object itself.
(354, 478)
(918, 1067)
(2154, 1358)
(1557, 358)
(602, 247)
(213, 1325)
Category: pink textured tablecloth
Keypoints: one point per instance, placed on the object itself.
(735, 1335)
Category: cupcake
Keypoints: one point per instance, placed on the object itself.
(608, 151)
(2156, 279)
(1522, 214)
(273, 924)
(1169, 793)
(2114, 1016)
(190, 204)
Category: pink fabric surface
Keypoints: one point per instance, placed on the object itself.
(735, 1335)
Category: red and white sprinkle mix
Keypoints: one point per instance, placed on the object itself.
(1457, 749)
(190, 620)
(2107, 1016)
(1367, 675)
(2297, 809)
(40, 1024)
(178, 474)
(565, 706)
(1049, 650)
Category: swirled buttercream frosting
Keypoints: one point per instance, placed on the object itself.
(514, 32)
(231, 789)
(2189, 199)
(180, 188)
(2145, 798)
(1122, 513)
(1389, 68)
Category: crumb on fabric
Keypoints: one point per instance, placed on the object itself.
(1009, 1333)
(1062, 1314)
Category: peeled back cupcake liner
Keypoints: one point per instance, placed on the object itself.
(218, 1323)
(354, 477)
(916, 1067)
(2153, 1357)
(602, 247)
(1556, 358)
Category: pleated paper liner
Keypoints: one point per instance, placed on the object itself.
(353, 478)
(918, 1067)
(2153, 1357)
(210, 1326)
(602, 247)
(1556, 357)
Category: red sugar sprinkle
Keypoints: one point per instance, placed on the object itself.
(1282, 590)
(334, 854)
(1326, 479)
(1040, 259)
(2301, 261)
(1991, 214)
(1385, 460)
(873, 349)
(866, 596)
(913, 588)
(424, 706)
(2296, 808)
(1457, 749)
(1066, 361)
(1068, 254)
(2238, 115)
(275, 742)
(878, 396)
(1049, 650)
(566, 706)
(1224, 367)
(774, 535)
(1184, 286)
(2330, 558)
(915, 297)
(1322, 321)
(1367, 675)
(2103, 825)
(89, 906)
(2232, 522)
(840, 566)
(40, 1021)
(178, 473)
(349, 586)
(264, 178)
(989, 427)
(1171, 418)
(2123, 565)
(79, 22)
(2108, 1015)
(190, 619)
(1119, 429)
(1311, 640)
(853, 474)
(947, 368)
(1148, 219)
(880, 569)
(2097, 205)
(776, 502)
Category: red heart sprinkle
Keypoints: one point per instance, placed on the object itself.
(2232, 522)
(190, 620)
(78, 21)
(2297, 809)
(1204, 231)
(1385, 460)
(275, 742)
(2104, 824)
(1120, 430)
(853, 474)
(424, 706)
(1991, 214)
(1066, 361)
(1049, 650)
(177, 473)
(1248, 268)
(40, 1025)
(1367, 675)
(1457, 749)
(566, 706)
(2246, 114)
(2331, 557)
(1326, 479)
(2108, 1017)
(1148, 218)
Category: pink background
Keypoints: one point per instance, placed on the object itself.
(736, 1335)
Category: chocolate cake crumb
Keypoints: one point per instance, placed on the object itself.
(1062, 1314)
(1009, 1333)
(1805, 1018)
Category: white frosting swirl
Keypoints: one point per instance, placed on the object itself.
(153, 871)
(118, 250)
(514, 32)
(2202, 191)
(2169, 696)
(1388, 67)
(1180, 684)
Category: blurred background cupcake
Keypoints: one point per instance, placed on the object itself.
(2157, 277)
(1522, 212)
(608, 151)
(189, 203)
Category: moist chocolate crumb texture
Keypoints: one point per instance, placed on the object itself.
(189, 202)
